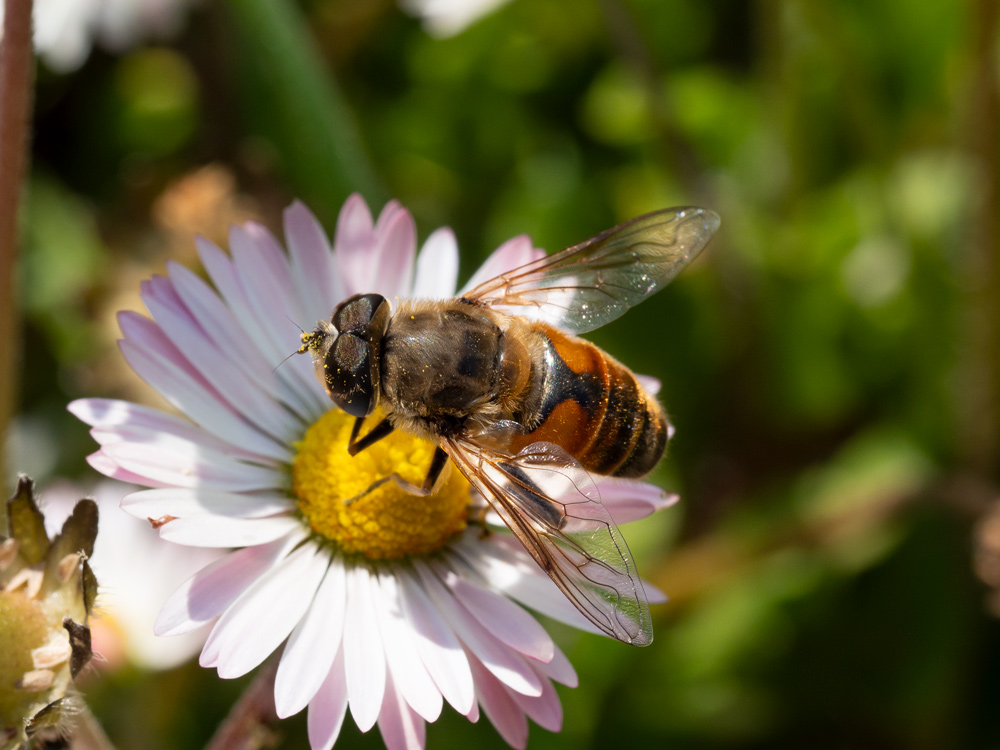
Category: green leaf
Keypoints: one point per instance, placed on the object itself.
(297, 105)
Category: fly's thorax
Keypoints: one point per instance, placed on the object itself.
(441, 360)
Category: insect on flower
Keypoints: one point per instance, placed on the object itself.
(525, 409)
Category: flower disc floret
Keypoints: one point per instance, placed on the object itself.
(387, 522)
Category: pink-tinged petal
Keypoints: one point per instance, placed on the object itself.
(312, 262)
(329, 707)
(354, 225)
(223, 532)
(408, 673)
(210, 591)
(504, 619)
(313, 645)
(396, 247)
(257, 623)
(235, 344)
(653, 594)
(246, 398)
(354, 244)
(388, 214)
(401, 727)
(184, 466)
(559, 670)
(364, 658)
(184, 503)
(117, 421)
(628, 500)
(145, 334)
(545, 710)
(512, 254)
(263, 274)
(198, 402)
(227, 279)
(500, 708)
(649, 384)
(510, 668)
(437, 645)
(513, 573)
(104, 465)
(437, 266)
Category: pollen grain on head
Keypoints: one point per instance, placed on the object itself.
(385, 523)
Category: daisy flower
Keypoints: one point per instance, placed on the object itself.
(135, 571)
(390, 605)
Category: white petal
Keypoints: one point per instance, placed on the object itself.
(312, 262)
(513, 573)
(654, 595)
(257, 623)
(173, 463)
(313, 645)
(512, 254)
(180, 503)
(628, 500)
(364, 658)
(559, 669)
(104, 465)
(191, 396)
(264, 276)
(227, 280)
(328, 708)
(354, 243)
(234, 342)
(210, 591)
(122, 420)
(223, 531)
(407, 671)
(396, 246)
(255, 404)
(437, 645)
(545, 710)
(501, 709)
(401, 727)
(649, 384)
(437, 266)
(509, 667)
(504, 619)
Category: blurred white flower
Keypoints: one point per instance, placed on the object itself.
(65, 30)
(136, 571)
(444, 18)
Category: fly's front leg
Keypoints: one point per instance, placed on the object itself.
(384, 429)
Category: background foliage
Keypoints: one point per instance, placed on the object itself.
(830, 363)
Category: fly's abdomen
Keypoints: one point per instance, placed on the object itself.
(592, 407)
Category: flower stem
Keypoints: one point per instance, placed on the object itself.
(16, 78)
(249, 724)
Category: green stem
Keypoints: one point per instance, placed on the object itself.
(311, 123)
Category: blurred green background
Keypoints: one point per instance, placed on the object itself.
(831, 362)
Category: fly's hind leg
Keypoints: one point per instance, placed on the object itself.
(384, 429)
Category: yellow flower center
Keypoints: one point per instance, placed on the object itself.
(384, 522)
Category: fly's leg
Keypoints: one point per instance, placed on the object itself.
(384, 429)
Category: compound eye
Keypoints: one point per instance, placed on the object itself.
(355, 313)
(348, 374)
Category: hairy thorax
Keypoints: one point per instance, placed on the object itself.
(446, 363)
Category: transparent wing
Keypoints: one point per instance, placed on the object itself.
(590, 284)
(550, 503)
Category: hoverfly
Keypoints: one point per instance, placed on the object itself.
(525, 409)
